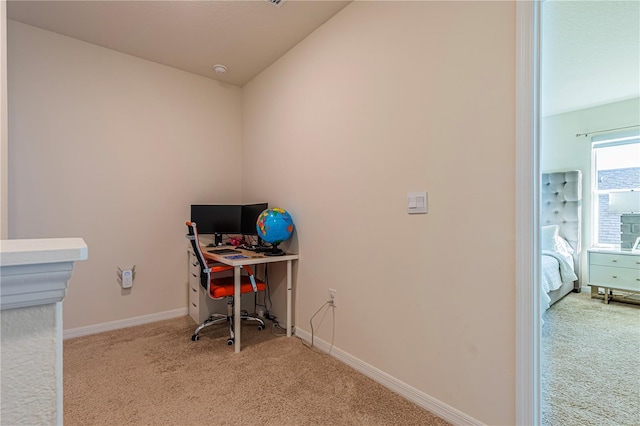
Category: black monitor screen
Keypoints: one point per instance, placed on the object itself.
(250, 215)
(217, 219)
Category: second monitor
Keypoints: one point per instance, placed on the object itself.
(249, 217)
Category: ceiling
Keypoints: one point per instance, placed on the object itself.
(590, 49)
(590, 53)
(244, 35)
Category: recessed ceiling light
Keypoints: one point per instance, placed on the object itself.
(220, 69)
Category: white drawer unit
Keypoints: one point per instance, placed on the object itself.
(613, 269)
(200, 305)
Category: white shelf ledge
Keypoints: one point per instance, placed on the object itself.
(37, 271)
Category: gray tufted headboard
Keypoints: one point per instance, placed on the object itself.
(561, 204)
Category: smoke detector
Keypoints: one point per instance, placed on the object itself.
(219, 69)
(276, 3)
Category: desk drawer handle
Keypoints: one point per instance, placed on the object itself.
(193, 289)
(193, 275)
(195, 264)
(614, 276)
(194, 305)
(614, 260)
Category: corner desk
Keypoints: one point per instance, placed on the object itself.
(252, 258)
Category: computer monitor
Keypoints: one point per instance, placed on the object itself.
(217, 219)
(250, 213)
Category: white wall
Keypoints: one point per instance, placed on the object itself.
(386, 98)
(4, 162)
(29, 361)
(562, 150)
(114, 149)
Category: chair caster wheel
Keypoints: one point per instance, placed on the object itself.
(195, 337)
(229, 342)
(260, 327)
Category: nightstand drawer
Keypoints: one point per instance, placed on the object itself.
(614, 277)
(616, 260)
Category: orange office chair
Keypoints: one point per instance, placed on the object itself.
(221, 287)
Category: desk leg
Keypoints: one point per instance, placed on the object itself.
(289, 290)
(237, 322)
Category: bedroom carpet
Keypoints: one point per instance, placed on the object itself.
(155, 375)
(590, 363)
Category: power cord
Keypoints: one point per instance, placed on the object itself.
(266, 296)
(329, 304)
(277, 330)
(275, 327)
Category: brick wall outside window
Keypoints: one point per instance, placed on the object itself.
(609, 223)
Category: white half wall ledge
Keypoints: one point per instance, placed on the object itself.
(37, 271)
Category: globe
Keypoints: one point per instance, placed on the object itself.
(274, 226)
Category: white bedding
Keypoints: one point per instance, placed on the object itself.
(557, 268)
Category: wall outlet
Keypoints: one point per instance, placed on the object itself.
(332, 294)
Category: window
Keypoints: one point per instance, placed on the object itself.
(615, 168)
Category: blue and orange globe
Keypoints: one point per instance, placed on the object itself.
(274, 225)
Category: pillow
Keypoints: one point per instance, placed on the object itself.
(549, 237)
(551, 240)
(563, 246)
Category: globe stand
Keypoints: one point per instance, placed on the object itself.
(273, 251)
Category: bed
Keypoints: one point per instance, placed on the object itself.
(560, 218)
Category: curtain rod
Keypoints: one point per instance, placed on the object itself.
(605, 131)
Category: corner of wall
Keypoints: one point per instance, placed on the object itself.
(4, 162)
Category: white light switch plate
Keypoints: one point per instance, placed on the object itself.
(417, 202)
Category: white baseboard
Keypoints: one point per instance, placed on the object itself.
(414, 395)
(129, 322)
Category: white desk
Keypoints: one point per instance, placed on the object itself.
(252, 258)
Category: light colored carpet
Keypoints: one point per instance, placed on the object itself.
(155, 375)
(590, 363)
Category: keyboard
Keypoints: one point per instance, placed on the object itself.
(257, 249)
(223, 251)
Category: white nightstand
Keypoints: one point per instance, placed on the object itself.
(613, 269)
